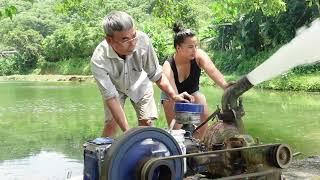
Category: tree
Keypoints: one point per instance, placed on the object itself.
(9, 10)
(187, 12)
(234, 10)
(71, 42)
(28, 45)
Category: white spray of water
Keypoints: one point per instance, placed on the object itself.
(303, 49)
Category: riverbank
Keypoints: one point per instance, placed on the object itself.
(48, 78)
(287, 82)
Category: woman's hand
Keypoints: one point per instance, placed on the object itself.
(230, 83)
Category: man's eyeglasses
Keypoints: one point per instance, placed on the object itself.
(128, 41)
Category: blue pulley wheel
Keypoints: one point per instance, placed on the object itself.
(128, 155)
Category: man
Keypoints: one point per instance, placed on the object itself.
(123, 65)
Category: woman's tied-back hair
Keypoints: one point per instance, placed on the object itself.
(180, 34)
(117, 21)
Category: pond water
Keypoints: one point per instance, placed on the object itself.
(44, 124)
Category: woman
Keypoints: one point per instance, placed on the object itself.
(183, 70)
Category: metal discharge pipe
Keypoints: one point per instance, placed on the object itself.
(303, 49)
(232, 109)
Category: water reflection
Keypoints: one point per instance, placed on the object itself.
(45, 165)
(285, 117)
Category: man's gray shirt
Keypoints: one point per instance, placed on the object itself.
(131, 77)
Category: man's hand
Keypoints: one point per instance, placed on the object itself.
(184, 97)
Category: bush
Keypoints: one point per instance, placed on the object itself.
(7, 67)
(27, 43)
(235, 62)
(66, 67)
(71, 42)
(161, 38)
(293, 82)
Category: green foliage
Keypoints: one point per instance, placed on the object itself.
(8, 66)
(43, 25)
(292, 82)
(39, 17)
(138, 9)
(9, 9)
(27, 43)
(71, 41)
(25, 32)
(233, 10)
(308, 69)
(239, 63)
(66, 67)
(161, 37)
(171, 11)
(15, 64)
(92, 12)
(245, 38)
(257, 31)
(79, 11)
(190, 13)
(239, 34)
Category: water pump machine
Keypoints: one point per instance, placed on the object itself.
(225, 151)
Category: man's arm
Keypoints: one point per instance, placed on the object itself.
(117, 113)
(108, 92)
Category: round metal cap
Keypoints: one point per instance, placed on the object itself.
(189, 107)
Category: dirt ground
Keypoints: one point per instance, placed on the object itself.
(306, 169)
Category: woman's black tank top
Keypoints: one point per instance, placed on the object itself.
(191, 84)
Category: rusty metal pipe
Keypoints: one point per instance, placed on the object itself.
(231, 109)
(232, 93)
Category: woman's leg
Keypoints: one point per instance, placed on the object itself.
(201, 99)
(168, 108)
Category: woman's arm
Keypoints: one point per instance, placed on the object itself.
(167, 71)
(207, 65)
